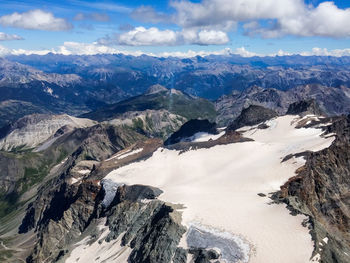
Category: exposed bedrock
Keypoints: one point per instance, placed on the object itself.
(252, 115)
(321, 190)
(63, 212)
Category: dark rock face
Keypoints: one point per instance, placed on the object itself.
(63, 211)
(152, 230)
(189, 129)
(321, 190)
(305, 107)
(204, 255)
(68, 211)
(180, 255)
(252, 115)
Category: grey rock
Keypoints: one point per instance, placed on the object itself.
(305, 107)
(252, 115)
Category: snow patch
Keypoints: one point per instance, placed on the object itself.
(99, 251)
(75, 180)
(125, 154)
(204, 137)
(325, 240)
(84, 172)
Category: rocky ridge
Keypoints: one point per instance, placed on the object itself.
(251, 116)
(33, 130)
(320, 190)
(331, 100)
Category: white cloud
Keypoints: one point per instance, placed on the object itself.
(325, 20)
(7, 37)
(141, 36)
(35, 19)
(217, 12)
(76, 48)
(100, 17)
(316, 51)
(245, 53)
(204, 37)
(289, 17)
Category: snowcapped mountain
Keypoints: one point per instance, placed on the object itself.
(154, 170)
(231, 195)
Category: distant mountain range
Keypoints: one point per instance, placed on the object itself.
(80, 84)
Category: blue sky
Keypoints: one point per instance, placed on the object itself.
(245, 27)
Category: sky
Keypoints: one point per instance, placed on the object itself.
(176, 27)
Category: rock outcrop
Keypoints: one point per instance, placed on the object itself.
(190, 128)
(321, 190)
(305, 107)
(252, 115)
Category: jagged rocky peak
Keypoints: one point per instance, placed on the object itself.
(305, 107)
(156, 89)
(252, 115)
(190, 128)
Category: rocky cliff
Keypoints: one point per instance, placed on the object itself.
(320, 190)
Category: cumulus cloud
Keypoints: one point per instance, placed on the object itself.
(76, 48)
(35, 19)
(287, 17)
(217, 12)
(141, 36)
(7, 37)
(204, 37)
(100, 17)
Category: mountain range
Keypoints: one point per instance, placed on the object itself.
(79, 84)
(114, 158)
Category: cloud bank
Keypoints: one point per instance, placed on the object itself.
(271, 18)
(36, 20)
(141, 36)
(77, 48)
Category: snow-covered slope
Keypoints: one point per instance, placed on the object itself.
(219, 189)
